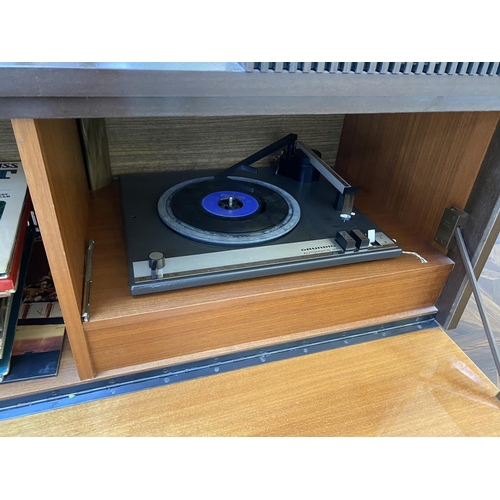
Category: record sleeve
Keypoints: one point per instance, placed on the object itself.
(13, 189)
(8, 282)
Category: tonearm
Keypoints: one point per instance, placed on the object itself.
(345, 198)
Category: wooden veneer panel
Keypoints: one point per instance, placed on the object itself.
(417, 384)
(125, 330)
(416, 164)
(203, 142)
(52, 159)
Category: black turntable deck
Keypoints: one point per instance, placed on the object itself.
(184, 229)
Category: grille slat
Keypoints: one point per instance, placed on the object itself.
(429, 68)
(440, 68)
(417, 68)
(396, 67)
(384, 67)
(492, 68)
(359, 67)
(408, 66)
(381, 68)
(462, 68)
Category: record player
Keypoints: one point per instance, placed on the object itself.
(184, 229)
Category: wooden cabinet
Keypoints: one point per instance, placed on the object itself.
(410, 167)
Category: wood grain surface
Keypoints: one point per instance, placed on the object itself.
(95, 151)
(8, 147)
(68, 375)
(200, 143)
(469, 333)
(416, 164)
(417, 384)
(125, 330)
(52, 159)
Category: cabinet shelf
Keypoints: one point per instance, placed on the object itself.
(126, 332)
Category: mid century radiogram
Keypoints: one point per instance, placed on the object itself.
(416, 143)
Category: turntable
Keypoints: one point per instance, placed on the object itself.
(184, 230)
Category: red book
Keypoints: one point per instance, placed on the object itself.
(8, 283)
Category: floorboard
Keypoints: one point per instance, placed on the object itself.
(469, 334)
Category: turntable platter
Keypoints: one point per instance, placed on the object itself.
(242, 212)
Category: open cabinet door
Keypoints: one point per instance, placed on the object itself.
(416, 384)
(417, 165)
(480, 234)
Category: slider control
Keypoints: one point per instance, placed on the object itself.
(156, 262)
(345, 240)
(360, 238)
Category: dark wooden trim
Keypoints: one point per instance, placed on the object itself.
(143, 107)
(92, 82)
(95, 151)
(480, 233)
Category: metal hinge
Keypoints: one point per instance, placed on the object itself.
(88, 281)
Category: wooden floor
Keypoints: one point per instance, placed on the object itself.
(469, 334)
(416, 384)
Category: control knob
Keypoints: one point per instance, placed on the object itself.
(156, 263)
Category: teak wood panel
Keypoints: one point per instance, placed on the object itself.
(416, 384)
(125, 330)
(417, 164)
(201, 143)
(67, 375)
(52, 159)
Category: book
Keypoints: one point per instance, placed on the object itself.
(8, 282)
(13, 190)
(39, 334)
(8, 340)
(39, 303)
(5, 307)
(36, 352)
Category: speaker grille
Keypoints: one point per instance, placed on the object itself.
(381, 68)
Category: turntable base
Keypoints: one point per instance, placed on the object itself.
(188, 324)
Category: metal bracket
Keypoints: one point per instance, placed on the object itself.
(452, 219)
(88, 281)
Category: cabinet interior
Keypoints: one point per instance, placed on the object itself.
(409, 167)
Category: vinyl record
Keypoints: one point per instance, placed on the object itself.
(241, 211)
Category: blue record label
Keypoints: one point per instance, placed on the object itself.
(230, 204)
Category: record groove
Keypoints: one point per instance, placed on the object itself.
(201, 209)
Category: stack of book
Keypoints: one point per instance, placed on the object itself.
(14, 213)
(31, 325)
